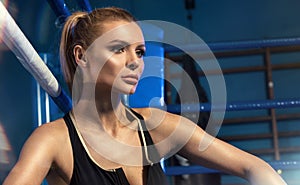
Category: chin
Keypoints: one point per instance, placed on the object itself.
(132, 91)
(126, 91)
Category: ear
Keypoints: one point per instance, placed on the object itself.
(78, 52)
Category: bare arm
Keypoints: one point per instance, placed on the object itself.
(35, 159)
(201, 148)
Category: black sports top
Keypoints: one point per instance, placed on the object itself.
(86, 172)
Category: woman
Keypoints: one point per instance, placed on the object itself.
(101, 141)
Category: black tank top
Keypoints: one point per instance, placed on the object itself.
(86, 172)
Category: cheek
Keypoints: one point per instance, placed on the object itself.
(142, 67)
(114, 67)
(111, 70)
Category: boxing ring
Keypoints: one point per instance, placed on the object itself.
(30, 59)
(255, 47)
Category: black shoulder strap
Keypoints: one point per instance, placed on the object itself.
(147, 135)
(152, 152)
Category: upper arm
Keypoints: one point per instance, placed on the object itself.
(35, 158)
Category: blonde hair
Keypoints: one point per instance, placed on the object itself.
(82, 28)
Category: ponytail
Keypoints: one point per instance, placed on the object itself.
(68, 41)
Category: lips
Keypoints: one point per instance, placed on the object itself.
(131, 79)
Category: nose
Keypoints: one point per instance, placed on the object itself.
(133, 65)
(133, 61)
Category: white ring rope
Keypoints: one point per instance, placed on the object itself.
(14, 38)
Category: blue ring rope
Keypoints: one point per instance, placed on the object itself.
(63, 101)
(235, 106)
(250, 44)
(182, 170)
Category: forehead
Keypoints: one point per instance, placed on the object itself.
(120, 30)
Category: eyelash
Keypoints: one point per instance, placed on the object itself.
(118, 50)
(140, 52)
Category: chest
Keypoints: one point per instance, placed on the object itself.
(134, 174)
(82, 164)
(96, 168)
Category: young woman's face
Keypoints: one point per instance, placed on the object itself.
(116, 57)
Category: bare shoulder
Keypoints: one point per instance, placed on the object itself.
(160, 122)
(150, 113)
(170, 132)
(47, 142)
(55, 130)
(47, 137)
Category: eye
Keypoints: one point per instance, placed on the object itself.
(140, 53)
(117, 49)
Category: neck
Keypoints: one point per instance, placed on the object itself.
(102, 107)
(112, 113)
(109, 106)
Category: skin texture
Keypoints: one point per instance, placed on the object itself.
(48, 152)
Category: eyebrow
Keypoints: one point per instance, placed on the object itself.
(124, 43)
(119, 41)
